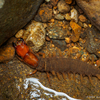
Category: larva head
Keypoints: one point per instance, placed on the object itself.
(21, 48)
(31, 59)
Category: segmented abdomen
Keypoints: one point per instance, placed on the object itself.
(67, 65)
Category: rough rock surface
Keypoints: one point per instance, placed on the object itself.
(7, 52)
(92, 10)
(14, 14)
(44, 14)
(93, 42)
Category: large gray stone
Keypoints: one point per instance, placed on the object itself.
(14, 14)
(92, 10)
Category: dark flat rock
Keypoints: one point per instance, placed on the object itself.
(14, 14)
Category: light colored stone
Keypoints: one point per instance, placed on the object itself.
(59, 16)
(19, 34)
(34, 35)
(74, 15)
(67, 16)
(2, 3)
(63, 7)
(47, 0)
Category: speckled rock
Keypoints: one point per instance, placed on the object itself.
(74, 15)
(60, 44)
(57, 29)
(7, 51)
(92, 10)
(93, 41)
(59, 16)
(14, 14)
(44, 14)
(63, 7)
(34, 35)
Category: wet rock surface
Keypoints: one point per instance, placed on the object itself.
(60, 44)
(92, 42)
(73, 37)
(15, 15)
(57, 29)
(13, 73)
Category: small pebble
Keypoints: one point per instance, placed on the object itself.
(19, 34)
(85, 25)
(47, 0)
(68, 1)
(68, 40)
(82, 18)
(59, 17)
(67, 16)
(76, 31)
(74, 15)
(63, 7)
(55, 11)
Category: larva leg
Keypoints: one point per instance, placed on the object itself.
(63, 74)
(40, 53)
(19, 58)
(98, 63)
(53, 73)
(78, 55)
(58, 75)
(90, 79)
(54, 53)
(60, 53)
(74, 77)
(92, 60)
(98, 76)
(69, 76)
(81, 77)
(48, 76)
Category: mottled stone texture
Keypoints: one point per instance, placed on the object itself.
(14, 15)
(92, 10)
